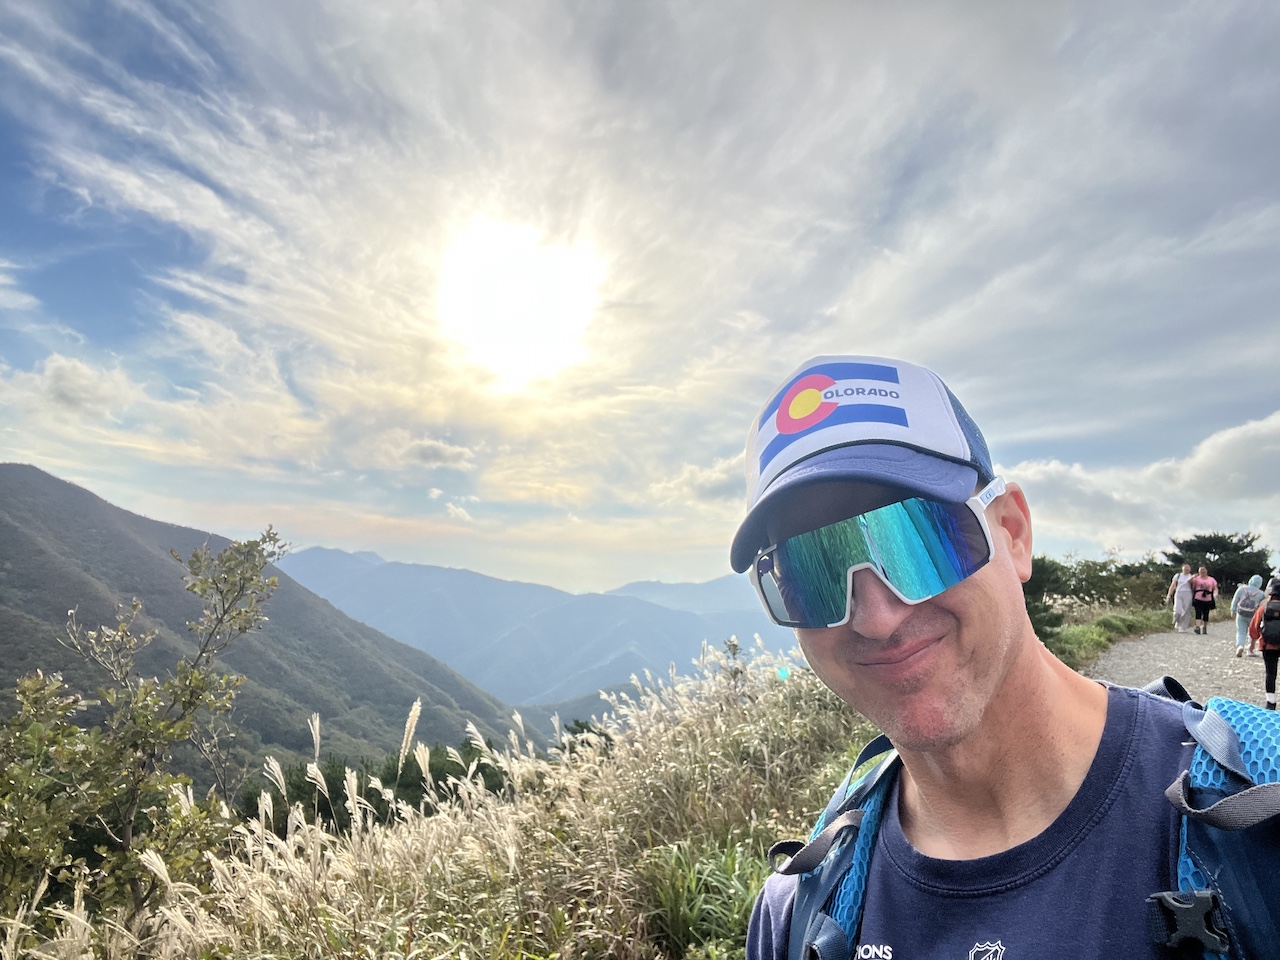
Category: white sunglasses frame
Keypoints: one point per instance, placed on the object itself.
(978, 503)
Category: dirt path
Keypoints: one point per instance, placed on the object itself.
(1206, 664)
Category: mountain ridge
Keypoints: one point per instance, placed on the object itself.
(63, 547)
(530, 644)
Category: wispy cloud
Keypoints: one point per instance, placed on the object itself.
(12, 296)
(1069, 210)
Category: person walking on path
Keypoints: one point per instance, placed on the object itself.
(1264, 629)
(1204, 597)
(1180, 594)
(1243, 606)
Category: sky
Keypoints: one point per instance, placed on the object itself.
(501, 285)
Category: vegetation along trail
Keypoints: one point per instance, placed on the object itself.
(1205, 664)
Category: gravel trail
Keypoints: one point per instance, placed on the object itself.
(1205, 664)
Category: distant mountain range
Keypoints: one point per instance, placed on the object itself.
(531, 644)
(467, 644)
(63, 547)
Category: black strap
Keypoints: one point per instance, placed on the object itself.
(1168, 688)
(879, 744)
(825, 940)
(806, 856)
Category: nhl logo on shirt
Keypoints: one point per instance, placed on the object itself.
(987, 951)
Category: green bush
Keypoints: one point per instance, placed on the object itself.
(401, 776)
(640, 836)
(1048, 580)
(81, 808)
(1079, 644)
(700, 896)
(1232, 558)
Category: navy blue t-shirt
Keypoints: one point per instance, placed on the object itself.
(1077, 890)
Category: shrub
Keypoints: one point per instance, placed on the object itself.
(1079, 644)
(79, 806)
(700, 896)
(642, 835)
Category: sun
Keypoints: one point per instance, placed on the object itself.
(518, 306)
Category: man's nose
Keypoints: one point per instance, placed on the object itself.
(876, 610)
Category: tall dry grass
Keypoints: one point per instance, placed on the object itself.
(643, 840)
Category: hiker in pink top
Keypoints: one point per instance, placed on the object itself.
(1204, 597)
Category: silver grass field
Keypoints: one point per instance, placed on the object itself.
(643, 839)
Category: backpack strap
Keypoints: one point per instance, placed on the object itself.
(802, 856)
(836, 859)
(1168, 688)
(1228, 896)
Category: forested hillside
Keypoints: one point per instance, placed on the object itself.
(61, 547)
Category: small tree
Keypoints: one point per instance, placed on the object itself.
(1111, 582)
(49, 790)
(85, 800)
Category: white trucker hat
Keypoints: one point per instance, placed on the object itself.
(859, 419)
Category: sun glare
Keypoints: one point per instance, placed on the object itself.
(518, 307)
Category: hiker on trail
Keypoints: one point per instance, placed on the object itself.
(1264, 630)
(1180, 592)
(1243, 605)
(1204, 597)
(1024, 809)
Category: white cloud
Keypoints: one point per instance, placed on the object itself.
(1224, 484)
(431, 452)
(398, 449)
(11, 296)
(69, 404)
(692, 484)
(65, 386)
(1071, 212)
(1240, 463)
(456, 512)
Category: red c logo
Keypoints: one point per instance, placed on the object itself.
(802, 405)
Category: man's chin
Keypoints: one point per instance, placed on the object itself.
(925, 725)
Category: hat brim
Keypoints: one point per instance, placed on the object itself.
(891, 464)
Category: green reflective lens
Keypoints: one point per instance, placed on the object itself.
(918, 547)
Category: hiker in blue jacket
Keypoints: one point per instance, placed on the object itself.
(1027, 817)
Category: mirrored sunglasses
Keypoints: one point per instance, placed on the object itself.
(917, 547)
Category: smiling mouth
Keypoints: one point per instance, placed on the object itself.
(899, 654)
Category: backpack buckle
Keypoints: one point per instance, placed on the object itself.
(1174, 917)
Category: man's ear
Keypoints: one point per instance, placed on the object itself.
(1011, 518)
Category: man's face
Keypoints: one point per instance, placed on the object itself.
(926, 673)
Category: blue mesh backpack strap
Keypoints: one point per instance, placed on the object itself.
(832, 866)
(1228, 896)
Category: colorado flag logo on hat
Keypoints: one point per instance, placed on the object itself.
(829, 395)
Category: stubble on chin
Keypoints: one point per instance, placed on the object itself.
(932, 711)
(983, 632)
(930, 722)
(953, 707)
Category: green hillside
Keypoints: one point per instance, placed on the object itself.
(61, 547)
